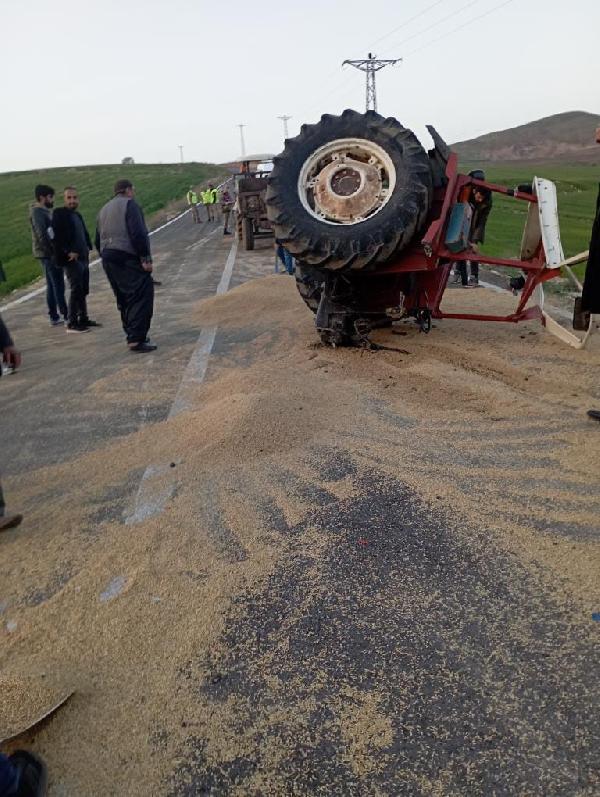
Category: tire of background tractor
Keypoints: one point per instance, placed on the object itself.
(309, 286)
(350, 191)
(248, 234)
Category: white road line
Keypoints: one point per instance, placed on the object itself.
(158, 483)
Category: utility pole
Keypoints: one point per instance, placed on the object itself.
(285, 120)
(180, 153)
(370, 66)
(242, 140)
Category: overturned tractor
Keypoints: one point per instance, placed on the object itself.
(375, 223)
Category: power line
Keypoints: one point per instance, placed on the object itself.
(407, 22)
(460, 27)
(434, 24)
(370, 66)
(338, 87)
(326, 78)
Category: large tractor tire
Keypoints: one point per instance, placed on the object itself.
(350, 191)
(309, 284)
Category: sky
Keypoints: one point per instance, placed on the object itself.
(88, 82)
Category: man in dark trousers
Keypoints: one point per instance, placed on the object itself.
(590, 298)
(72, 247)
(481, 202)
(12, 358)
(124, 245)
(40, 219)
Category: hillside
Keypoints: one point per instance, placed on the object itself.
(157, 186)
(564, 138)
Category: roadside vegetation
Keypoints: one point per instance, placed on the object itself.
(157, 186)
(160, 185)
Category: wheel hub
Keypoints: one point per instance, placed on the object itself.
(346, 181)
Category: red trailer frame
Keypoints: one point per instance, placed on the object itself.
(430, 261)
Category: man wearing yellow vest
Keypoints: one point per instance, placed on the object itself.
(208, 202)
(192, 200)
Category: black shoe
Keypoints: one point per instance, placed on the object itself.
(10, 521)
(595, 414)
(32, 774)
(156, 282)
(143, 347)
(76, 328)
(87, 322)
(226, 232)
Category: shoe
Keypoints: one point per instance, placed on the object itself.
(595, 414)
(32, 775)
(143, 347)
(516, 284)
(226, 232)
(76, 328)
(10, 521)
(469, 285)
(56, 322)
(156, 282)
(89, 323)
(474, 282)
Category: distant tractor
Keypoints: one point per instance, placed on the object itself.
(251, 188)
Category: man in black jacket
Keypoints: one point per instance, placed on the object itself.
(11, 357)
(72, 246)
(590, 298)
(123, 242)
(40, 218)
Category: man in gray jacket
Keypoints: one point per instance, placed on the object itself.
(123, 242)
(11, 357)
(40, 218)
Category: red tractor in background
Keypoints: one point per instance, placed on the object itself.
(375, 223)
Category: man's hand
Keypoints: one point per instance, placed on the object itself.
(72, 256)
(12, 357)
(147, 266)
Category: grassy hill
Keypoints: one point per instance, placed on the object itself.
(577, 187)
(564, 137)
(156, 187)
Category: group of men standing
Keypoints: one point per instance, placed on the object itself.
(211, 201)
(62, 243)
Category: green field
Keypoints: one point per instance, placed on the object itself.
(156, 186)
(577, 188)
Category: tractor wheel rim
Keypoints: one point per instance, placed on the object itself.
(346, 181)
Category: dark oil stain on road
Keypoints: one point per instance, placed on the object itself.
(391, 655)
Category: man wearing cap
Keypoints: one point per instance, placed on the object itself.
(124, 245)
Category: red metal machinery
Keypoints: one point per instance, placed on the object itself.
(430, 261)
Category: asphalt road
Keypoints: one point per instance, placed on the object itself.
(395, 649)
(44, 420)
